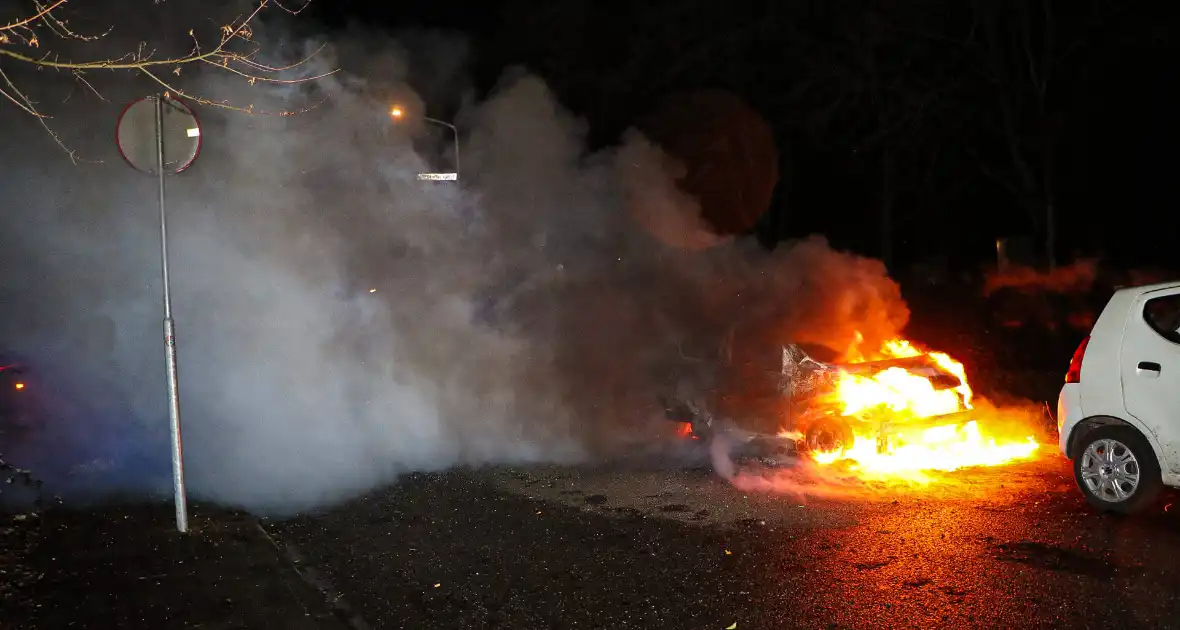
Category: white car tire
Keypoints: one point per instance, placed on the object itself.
(1116, 470)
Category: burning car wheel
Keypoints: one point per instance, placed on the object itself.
(829, 435)
(1116, 469)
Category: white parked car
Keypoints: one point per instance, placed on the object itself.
(1119, 411)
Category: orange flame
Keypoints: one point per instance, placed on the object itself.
(890, 399)
(898, 391)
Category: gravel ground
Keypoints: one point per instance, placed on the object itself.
(1010, 547)
(19, 536)
(628, 545)
(125, 566)
(650, 542)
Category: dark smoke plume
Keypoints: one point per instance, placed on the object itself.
(522, 315)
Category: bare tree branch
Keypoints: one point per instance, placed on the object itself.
(32, 18)
(235, 53)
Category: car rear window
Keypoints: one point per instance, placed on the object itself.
(1163, 315)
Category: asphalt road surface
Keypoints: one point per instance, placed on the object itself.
(644, 546)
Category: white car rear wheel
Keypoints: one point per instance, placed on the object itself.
(1116, 469)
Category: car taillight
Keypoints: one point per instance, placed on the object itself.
(1074, 375)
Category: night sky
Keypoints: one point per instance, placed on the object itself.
(926, 112)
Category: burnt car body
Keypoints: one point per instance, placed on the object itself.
(801, 408)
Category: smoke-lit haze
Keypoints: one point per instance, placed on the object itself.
(523, 315)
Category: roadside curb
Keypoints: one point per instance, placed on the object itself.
(317, 580)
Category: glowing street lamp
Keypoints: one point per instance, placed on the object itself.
(397, 113)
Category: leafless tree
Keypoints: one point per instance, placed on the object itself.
(1031, 53)
(41, 38)
(878, 85)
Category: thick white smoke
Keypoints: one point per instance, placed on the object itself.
(521, 315)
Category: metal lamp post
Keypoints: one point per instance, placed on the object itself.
(398, 113)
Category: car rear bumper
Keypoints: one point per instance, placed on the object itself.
(1069, 413)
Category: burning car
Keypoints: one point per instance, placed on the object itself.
(823, 406)
(830, 404)
(896, 411)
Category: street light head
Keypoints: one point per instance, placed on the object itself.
(397, 112)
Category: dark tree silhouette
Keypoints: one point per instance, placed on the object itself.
(1033, 60)
(880, 85)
